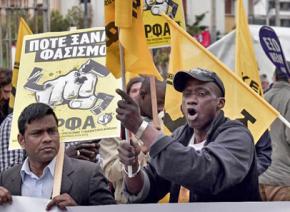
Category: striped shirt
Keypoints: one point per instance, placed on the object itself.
(12, 157)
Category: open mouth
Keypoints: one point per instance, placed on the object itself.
(191, 111)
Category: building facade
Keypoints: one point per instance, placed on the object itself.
(269, 13)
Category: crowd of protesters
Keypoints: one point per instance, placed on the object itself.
(210, 158)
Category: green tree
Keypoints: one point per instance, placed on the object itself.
(196, 28)
(57, 22)
(75, 17)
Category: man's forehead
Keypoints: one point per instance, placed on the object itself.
(47, 119)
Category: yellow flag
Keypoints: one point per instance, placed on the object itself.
(138, 58)
(245, 62)
(112, 40)
(123, 13)
(241, 102)
(23, 30)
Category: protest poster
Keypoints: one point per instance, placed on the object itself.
(157, 30)
(28, 204)
(66, 71)
(272, 48)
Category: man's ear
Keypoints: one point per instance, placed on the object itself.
(21, 141)
(221, 103)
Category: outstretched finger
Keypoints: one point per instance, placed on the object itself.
(125, 96)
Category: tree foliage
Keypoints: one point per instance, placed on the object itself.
(196, 27)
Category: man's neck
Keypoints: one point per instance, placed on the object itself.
(37, 167)
(199, 136)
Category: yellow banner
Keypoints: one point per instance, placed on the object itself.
(66, 71)
(23, 30)
(123, 13)
(137, 56)
(246, 65)
(112, 40)
(241, 102)
(157, 30)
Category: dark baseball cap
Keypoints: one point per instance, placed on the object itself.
(181, 77)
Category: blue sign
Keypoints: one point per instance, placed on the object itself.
(272, 48)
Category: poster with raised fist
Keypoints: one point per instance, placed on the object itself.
(66, 71)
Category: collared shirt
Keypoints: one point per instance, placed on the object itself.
(8, 158)
(34, 186)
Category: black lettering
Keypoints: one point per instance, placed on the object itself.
(148, 29)
(245, 78)
(166, 29)
(136, 4)
(111, 33)
(247, 117)
(89, 122)
(254, 86)
(61, 122)
(73, 123)
(157, 30)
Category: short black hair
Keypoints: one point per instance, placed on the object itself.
(32, 112)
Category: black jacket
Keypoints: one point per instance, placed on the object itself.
(224, 170)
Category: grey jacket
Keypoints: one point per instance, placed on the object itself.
(224, 170)
(82, 180)
(279, 172)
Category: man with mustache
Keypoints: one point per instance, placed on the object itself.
(211, 156)
(82, 181)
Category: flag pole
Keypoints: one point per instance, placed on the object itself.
(284, 120)
(154, 102)
(123, 72)
(59, 162)
(58, 171)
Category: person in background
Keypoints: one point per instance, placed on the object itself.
(8, 158)
(275, 182)
(82, 181)
(264, 82)
(133, 87)
(109, 147)
(5, 92)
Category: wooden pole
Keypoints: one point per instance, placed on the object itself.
(154, 102)
(58, 171)
(59, 163)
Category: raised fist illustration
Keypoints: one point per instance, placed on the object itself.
(76, 88)
(157, 7)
